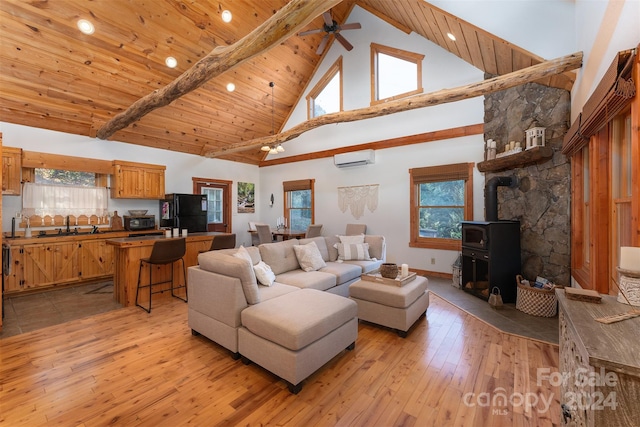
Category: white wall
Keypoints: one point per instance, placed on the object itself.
(391, 219)
(180, 169)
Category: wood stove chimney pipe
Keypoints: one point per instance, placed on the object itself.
(491, 195)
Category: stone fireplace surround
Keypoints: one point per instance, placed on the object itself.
(541, 198)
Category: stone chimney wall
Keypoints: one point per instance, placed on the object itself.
(541, 199)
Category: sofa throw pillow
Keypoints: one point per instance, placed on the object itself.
(353, 252)
(242, 253)
(309, 257)
(352, 240)
(264, 274)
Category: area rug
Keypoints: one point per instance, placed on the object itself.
(508, 319)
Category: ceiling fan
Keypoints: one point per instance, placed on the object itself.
(331, 27)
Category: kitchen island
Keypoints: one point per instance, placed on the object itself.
(129, 251)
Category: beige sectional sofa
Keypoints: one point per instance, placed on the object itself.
(295, 325)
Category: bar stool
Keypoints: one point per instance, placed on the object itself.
(166, 251)
(222, 241)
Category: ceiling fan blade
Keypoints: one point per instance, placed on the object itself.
(343, 41)
(323, 44)
(306, 33)
(327, 18)
(353, 26)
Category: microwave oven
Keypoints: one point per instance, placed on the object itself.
(133, 223)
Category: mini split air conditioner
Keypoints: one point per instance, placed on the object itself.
(354, 158)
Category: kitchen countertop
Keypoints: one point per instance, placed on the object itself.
(55, 238)
(123, 242)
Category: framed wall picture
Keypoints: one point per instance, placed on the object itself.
(246, 197)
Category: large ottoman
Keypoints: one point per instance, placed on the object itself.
(396, 307)
(294, 334)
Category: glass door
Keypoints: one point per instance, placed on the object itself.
(218, 203)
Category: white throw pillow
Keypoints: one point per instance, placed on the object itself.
(309, 257)
(352, 240)
(242, 253)
(353, 252)
(264, 274)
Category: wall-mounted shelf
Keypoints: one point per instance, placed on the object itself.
(518, 160)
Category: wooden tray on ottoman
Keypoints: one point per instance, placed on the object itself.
(398, 281)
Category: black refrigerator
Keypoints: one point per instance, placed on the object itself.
(184, 211)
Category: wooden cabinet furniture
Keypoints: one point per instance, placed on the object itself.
(47, 264)
(599, 364)
(40, 263)
(11, 167)
(96, 259)
(137, 180)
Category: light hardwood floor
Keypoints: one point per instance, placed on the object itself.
(127, 367)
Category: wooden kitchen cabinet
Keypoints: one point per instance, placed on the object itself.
(50, 264)
(11, 167)
(96, 259)
(13, 280)
(137, 180)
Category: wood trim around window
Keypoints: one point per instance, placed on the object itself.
(415, 241)
(415, 58)
(323, 82)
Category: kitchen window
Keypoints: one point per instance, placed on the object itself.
(441, 198)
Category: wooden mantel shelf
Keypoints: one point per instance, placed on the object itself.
(518, 160)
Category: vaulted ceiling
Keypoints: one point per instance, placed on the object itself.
(54, 77)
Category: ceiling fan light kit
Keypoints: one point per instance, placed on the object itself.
(331, 27)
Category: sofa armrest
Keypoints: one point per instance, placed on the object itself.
(215, 295)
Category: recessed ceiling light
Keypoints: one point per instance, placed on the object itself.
(171, 62)
(226, 16)
(231, 87)
(451, 36)
(85, 26)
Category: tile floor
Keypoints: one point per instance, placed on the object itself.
(507, 319)
(30, 312)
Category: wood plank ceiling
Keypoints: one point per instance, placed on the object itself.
(54, 77)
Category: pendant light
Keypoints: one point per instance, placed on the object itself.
(275, 148)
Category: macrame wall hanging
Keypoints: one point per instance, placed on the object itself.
(357, 197)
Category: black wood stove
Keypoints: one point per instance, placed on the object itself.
(490, 257)
(491, 249)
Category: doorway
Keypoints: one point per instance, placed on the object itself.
(218, 202)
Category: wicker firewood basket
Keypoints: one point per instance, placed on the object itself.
(534, 301)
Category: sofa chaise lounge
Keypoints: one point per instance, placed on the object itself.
(295, 325)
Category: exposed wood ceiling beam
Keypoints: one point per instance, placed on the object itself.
(495, 84)
(283, 24)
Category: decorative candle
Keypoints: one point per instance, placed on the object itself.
(630, 258)
(405, 270)
(167, 233)
(184, 232)
(176, 232)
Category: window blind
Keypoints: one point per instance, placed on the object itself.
(301, 184)
(453, 172)
(614, 92)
